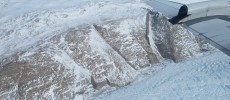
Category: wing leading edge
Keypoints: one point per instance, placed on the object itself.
(208, 19)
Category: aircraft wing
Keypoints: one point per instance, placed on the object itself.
(210, 19)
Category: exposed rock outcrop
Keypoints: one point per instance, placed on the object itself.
(88, 57)
(173, 41)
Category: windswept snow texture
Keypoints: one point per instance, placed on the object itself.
(22, 30)
(69, 50)
(205, 78)
(17, 7)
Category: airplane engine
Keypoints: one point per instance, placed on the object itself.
(202, 10)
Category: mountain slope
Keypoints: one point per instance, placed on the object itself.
(30, 27)
(197, 79)
(75, 51)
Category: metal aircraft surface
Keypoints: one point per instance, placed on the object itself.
(210, 19)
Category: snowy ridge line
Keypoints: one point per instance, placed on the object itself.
(25, 47)
(56, 57)
(77, 53)
(112, 53)
(117, 51)
(126, 36)
(149, 36)
(56, 22)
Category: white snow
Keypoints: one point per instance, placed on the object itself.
(17, 7)
(98, 44)
(204, 78)
(24, 28)
(79, 97)
(62, 57)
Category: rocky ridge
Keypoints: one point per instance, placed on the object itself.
(85, 58)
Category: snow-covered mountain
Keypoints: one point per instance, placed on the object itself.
(75, 50)
(203, 78)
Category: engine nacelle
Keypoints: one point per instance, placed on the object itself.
(201, 9)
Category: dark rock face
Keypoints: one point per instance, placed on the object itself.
(76, 62)
(173, 41)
